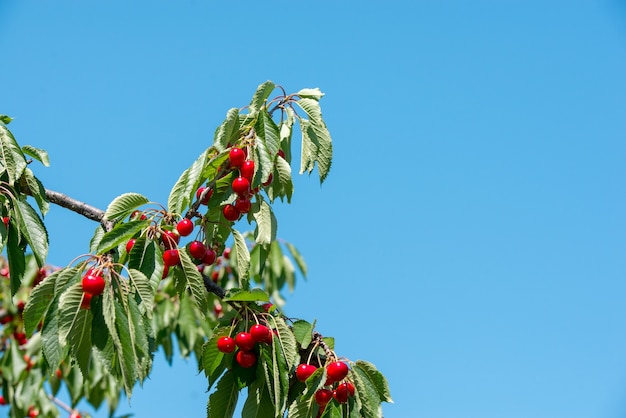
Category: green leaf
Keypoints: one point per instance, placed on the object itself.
(228, 131)
(212, 358)
(287, 342)
(39, 302)
(194, 281)
(144, 289)
(266, 224)
(143, 257)
(223, 401)
(184, 189)
(75, 326)
(316, 141)
(303, 331)
(259, 403)
(52, 349)
(366, 393)
(123, 205)
(37, 190)
(5, 119)
(37, 153)
(120, 234)
(254, 295)
(295, 254)
(12, 159)
(33, 230)
(241, 255)
(282, 185)
(378, 380)
(303, 407)
(16, 258)
(315, 93)
(126, 355)
(268, 133)
(260, 96)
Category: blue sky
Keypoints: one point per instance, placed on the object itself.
(470, 237)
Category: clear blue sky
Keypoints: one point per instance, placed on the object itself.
(471, 237)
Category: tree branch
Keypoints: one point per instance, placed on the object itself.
(82, 208)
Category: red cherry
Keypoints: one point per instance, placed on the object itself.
(129, 244)
(170, 239)
(247, 170)
(75, 415)
(246, 359)
(281, 153)
(85, 303)
(243, 205)
(260, 333)
(204, 201)
(218, 309)
(166, 271)
(236, 156)
(303, 371)
(214, 276)
(20, 306)
(343, 392)
(226, 253)
(226, 345)
(267, 306)
(93, 283)
(241, 186)
(323, 396)
(209, 257)
(6, 319)
(244, 341)
(185, 227)
(3, 401)
(5, 220)
(32, 412)
(171, 257)
(137, 215)
(58, 373)
(336, 371)
(197, 249)
(231, 213)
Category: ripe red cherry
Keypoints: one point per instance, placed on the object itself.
(129, 244)
(197, 249)
(32, 412)
(170, 239)
(226, 345)
(204, 201)
(215, 275)
(231, 213)
(137, 215)
(5, 221)
(303, 371)
(2, 400)
(241, 186)
(236, 156)
(244, 341)
(247, 170)
(268, 181)
(243, 205)
(260, 333)
(336, 371)
(246, 359)
(343, 392)
(171, 257)
(75, 415)
(166, 271)
(323, 396)
(185, 227)
(226, 253)
(209, 256)
(218, 309)
(85, 303)
(93, 284)
(281, 153)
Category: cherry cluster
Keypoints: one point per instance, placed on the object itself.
(245, 342)
(336, 384)
(240, 185)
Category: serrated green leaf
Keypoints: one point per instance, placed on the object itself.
(12, 159)
(37, 191)
(241, 255)
(143, 257)
(376, 377)
(5, 119)
(33, 230)
(37, 153)
(52, 349)
(16, 259)
(366, 394)
(223, 401)
(194, 281)
(282, 185)
(303, 331)
(184, 189)
(39, 302)
(303, 407)
(126, 355)
(260, 96)
(144, 289)
(254, 295)
(258, 403)
(315, 93)
(212, 358)
(287, 342)
(316, 141)
(228, 131)
(266, 224)
(268, 133)
(123, 205)
(120, 234)
(295, 254)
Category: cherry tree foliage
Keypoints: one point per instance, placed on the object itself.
(204, 272)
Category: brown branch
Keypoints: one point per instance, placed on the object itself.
(82, 208)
